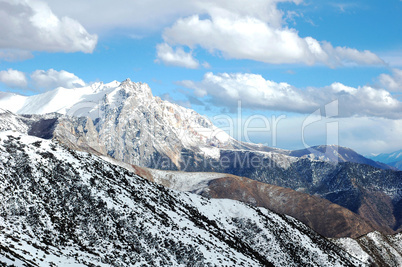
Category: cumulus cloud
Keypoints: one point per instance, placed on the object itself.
(52, 79)
(177, 57)
(30, 25)
(13, 78)
(252, 38)
(255, 92)
(392, 82)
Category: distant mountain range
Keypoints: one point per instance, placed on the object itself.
(393, 159)
(337, 154)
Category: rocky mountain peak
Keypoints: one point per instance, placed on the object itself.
(137, 88)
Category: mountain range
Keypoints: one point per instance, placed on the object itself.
(126, 122)
(332, 189)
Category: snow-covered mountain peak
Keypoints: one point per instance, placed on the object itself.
(79, 101)
(129, 110)
(138, 88)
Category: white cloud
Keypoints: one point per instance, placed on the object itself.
(13, 78)
(252, 38)
(206, 65)
(392, 82)
(30, 25)
(154, 14)
(350, 55)
(253, 90)
(52, 79)
(257, 93)
(177, 57)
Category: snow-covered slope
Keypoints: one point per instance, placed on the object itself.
(388, 157)
(11, 122)
(98, 99)
(60, 207)
(77, 101)
(375, 248)
(129, 124)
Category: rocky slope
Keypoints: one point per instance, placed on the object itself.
(78, 133)
(61, 207)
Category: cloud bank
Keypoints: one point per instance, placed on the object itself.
(254, 31)
(255, 92)
(254, 39)
(156, 14)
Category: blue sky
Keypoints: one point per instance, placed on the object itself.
(279, 57)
